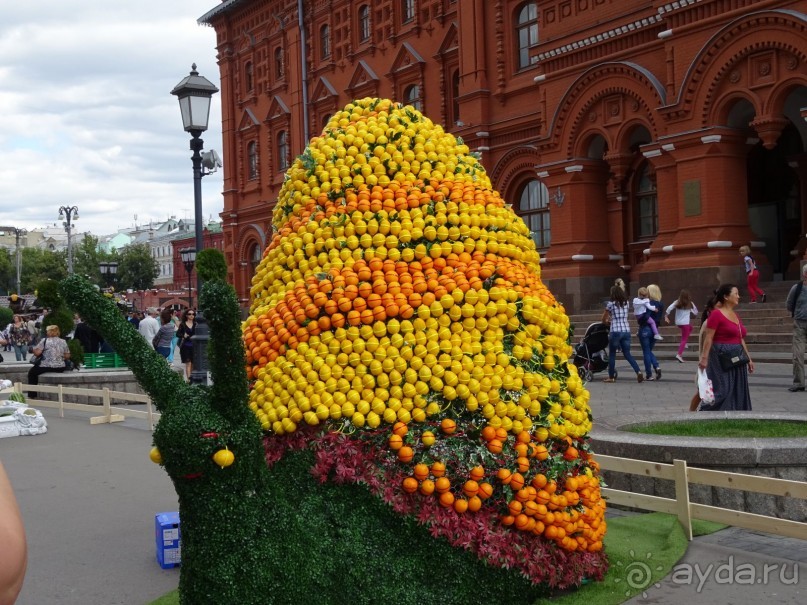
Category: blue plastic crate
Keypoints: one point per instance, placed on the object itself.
(168, 539)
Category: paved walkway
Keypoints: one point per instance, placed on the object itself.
(89, 495)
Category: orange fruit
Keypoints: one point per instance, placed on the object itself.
(421, 471)
(405, 454)
(400, 428)
(410, 485)
(504, 475)
(474, 504)
(446, 499)
(488, 433)
(427, 487)
(438, 468)
(448, 426)
(395, 442)
(485, 490)
(470, 488)
(516, 481)
(442, 484)
(495, 446)
(477, 473)
(460, 505)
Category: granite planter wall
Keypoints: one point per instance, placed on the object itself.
(784, 458)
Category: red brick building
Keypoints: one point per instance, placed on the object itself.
(642, 140)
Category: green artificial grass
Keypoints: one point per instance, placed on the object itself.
(726, 428)
(628, 542)
(641, 549)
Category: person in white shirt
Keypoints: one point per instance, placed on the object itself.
(149, 326)
(684, 308)
(641, 308)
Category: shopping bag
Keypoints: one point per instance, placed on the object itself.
(705, 389)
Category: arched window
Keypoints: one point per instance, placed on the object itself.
(252, 160)
(324, 42)
(278, 63)
(364, 23)
(255, 256)
(527, 33)
(282, 151)
(407, 10)
(249, 82)
(412, 97)
(533, 207)
(646, 205)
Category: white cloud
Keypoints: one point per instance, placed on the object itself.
(87, 114)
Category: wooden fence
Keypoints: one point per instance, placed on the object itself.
(682, 476)
(678, 472)
(110, 411)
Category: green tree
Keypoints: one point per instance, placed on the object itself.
(137, 269)
(87, 259)
(8, 272)
(39, 265)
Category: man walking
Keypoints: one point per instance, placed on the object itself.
(149, 326)
(797, 305)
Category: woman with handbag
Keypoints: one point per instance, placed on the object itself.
(50, 356)
(725, 355)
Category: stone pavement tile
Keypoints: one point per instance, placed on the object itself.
(714, 574)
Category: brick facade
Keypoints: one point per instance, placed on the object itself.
(646, 140)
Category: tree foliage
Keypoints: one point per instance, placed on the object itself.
(210, 264)
(87, 259)
(39, 265)
(137, 269)
(8, 272)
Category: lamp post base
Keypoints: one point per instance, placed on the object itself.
(199, 374)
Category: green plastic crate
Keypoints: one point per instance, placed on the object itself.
(103, 360)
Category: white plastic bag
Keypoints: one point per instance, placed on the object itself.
(705, 389)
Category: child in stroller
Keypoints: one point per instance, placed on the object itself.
(590, 355)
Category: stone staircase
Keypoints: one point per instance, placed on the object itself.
(769, 326)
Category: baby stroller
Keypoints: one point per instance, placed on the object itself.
(590, 355)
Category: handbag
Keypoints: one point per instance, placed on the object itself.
(705, 388)
(729, 361)
(37, 359)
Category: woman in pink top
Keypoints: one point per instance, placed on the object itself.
(725, 336)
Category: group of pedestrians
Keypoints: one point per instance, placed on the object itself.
(648, 311)
(168, 332)
(723, 353)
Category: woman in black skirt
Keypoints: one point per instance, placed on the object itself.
(185, 332)
(725, 355)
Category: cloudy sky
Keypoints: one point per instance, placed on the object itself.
(86, 114)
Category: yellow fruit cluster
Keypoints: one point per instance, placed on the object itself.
(400, 288)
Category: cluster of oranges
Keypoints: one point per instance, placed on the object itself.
(567, 508)
(400, 288)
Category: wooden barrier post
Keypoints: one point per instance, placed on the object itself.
(108, 416)
(61, 402)
(682, 496)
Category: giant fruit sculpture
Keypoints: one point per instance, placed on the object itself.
(400, 330)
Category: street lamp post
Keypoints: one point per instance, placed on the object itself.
(18, 233)
(108, 271)
(194, 93)
(188, 256)
(68, 214)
